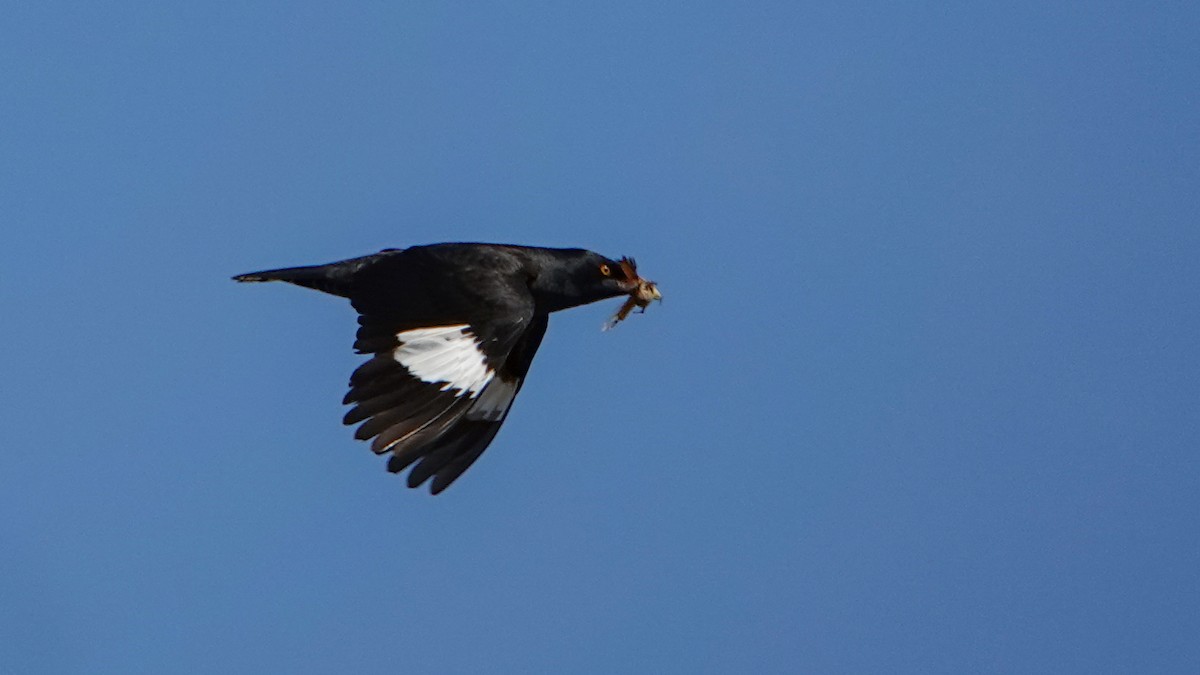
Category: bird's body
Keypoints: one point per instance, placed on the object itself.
(452, 329)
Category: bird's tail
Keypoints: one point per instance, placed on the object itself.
(336, 278)
(289, 274)
(333, 279)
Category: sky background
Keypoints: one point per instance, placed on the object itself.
(923, 395)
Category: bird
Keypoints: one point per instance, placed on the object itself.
(452, 330)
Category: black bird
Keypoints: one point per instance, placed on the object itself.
(453, 329)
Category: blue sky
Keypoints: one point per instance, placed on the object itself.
(922, 397)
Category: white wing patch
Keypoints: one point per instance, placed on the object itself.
(494, 402)
(445, 354)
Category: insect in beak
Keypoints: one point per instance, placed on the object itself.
(641, 297)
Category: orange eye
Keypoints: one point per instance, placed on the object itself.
(605, 270)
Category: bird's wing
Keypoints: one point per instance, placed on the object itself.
(451, 345)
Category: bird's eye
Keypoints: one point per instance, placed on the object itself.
(605, 270)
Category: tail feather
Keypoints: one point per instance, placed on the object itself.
(335, 278)
(290, 274)
(320, 277)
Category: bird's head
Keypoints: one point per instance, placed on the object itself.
(573, 277)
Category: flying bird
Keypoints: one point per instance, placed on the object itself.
(452, 330)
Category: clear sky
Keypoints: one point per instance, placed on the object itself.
(923, 395)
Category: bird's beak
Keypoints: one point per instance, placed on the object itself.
(642, 290)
